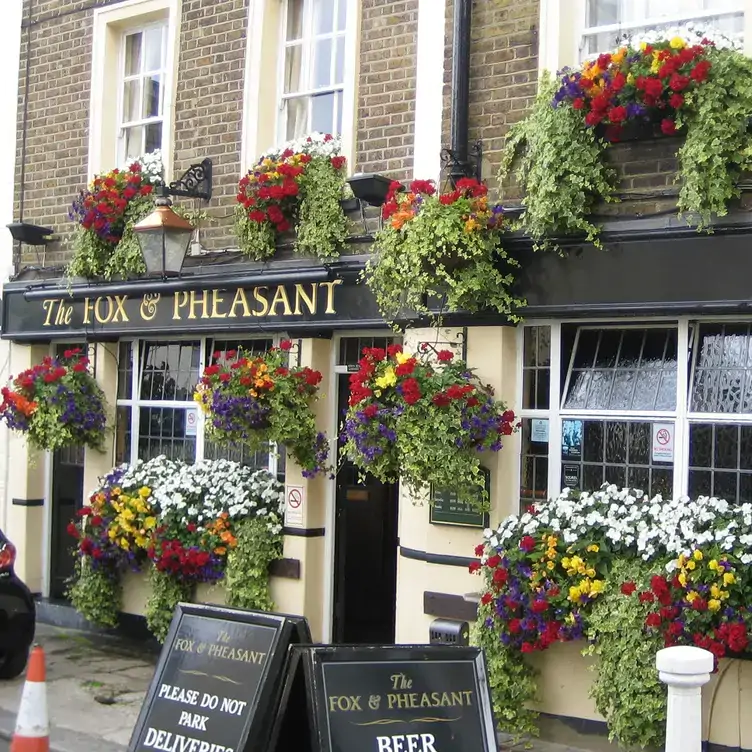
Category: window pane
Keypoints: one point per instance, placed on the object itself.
(123, 435)
(322, 113)
(152, 96)
(297, 117)
(534, 475)
(324, 14)
(342, 14)
(153, 51)
(608, 348)
(339, 64)
(125, 371)
(602, 12)
(720, 461)
(153, 137)
(726, 446)
(237, 453)
(293, 67)
(586, 347)
(294, 19)
(133, 54)
(169, 371)
(162, 431)
(322, 68)
(134, 142)
(131, 101)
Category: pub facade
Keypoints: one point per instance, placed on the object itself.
(629, 363)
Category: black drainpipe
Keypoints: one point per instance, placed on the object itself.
(459, 166)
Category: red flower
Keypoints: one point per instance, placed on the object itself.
(96, 520)
(370, 411)
(479, 549)
(676, 101)
(526, 647)
(474, 567)
(578, 103)
(423, 186)
(406, 368)
(617, 114)
(514, 626)
(225, 377)
(285, 344)
(411, 391)
(539, 606)
(445, 356)
(653, 87)
(500, 576)
(628, 588)
(338, 162)
(527, 544)
(72, 530)
(492, 561)
(668, 126)
(486, 598)
(678, 83)
(700, 72)
(617, 84)
(675, 628)
(658, 584)
(653, 620)
(700, 604)
(79, 368)
(392, 350)
(646, 597)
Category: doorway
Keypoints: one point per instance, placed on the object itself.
(365, 552)
(67, 499)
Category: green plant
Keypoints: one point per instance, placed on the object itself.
(626, 688)
(96, 592)
(444, 246)
(247, 573)
(560, 165)
(718, 146)
(511, 678)
(322, 225)
(167, 591)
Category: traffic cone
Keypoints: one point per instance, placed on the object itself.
(32, 726)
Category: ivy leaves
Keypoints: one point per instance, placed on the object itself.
(96, 592)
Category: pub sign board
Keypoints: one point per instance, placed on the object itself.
(447, 509)
(218, 680)
(397, 698)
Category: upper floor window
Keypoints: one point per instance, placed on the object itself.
(144, 67)
(608, 21)
(313, 67)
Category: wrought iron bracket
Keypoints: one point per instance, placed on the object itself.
(195, 182)
(458, 166)
(457, 344)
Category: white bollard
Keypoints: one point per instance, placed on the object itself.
(684, 669)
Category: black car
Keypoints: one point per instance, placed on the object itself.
(17, 615)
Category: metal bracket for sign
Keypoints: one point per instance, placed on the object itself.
(459, 166)
(460, 341)
(195, 182)
(91, 354)
(294, 354)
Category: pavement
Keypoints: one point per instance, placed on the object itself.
(96, 684)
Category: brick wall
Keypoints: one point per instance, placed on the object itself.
(386, 92)
(208, 111)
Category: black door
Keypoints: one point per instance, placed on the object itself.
(67, 499)
(365, 582)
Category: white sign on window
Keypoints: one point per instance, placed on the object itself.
(191, 421)
(663, 442)
(539, 430)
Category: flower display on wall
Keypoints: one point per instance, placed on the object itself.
(295, 187)
(184, 519)
(56, 403)
(393, 397)
(554, 574)
(446, 245)
(256, 399)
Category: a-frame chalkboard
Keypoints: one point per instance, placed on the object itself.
(218, 680)
(401, 698)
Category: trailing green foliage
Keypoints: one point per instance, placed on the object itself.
(718, 145)
(511, 678)
(247, 573)
(561, 167)
(322, 225)
(167, 591)
(96, 592)
(257, 240)
(626, 688)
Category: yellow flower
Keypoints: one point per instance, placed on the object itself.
(655, 65)
(117, 491)
(565, 562)
(552, 541)
(691, 565)
(597, 587)
(643, 46)
(590, 572)
(677, 43)
(471, 225)
(144, 492)
(713, 565)
(150, 523)
(593, 548)
(630, 78)
(401, 357)
(574, 594)
(569, 619)
(683, 579)
(124, 543)
(388, 379)
(551, 565)
(682, 560)
(619, 55)
(728, 578)
(692, 596)
(585, 587)
(715, 591)
(697, 555)
(714, 605)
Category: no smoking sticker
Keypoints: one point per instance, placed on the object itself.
(294, 501)
(663, 442)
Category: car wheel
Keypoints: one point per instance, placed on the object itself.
(13, 664)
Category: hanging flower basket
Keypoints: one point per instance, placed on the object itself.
(56, 404)
(256, 399)
(421, 422)
(444, 246)
(293, 194)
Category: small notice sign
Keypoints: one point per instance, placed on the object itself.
(295, 501)
(447, 509)
(539, 430)
(191, 421)
(663, 442)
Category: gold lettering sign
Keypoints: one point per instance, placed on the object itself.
(310, 299)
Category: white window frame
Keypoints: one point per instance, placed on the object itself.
(563, 23)
(110, 23)
(264, 80)
(687, 328)
(135, 403)
(141, 76)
